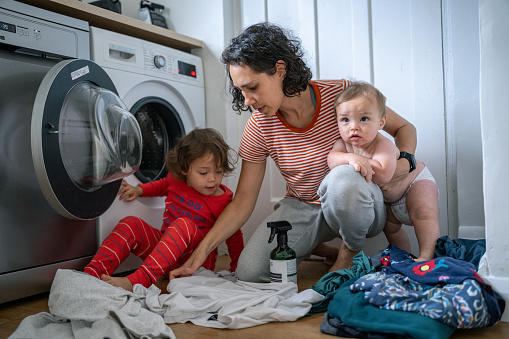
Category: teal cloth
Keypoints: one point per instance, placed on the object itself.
(328, 285)
(355, 311)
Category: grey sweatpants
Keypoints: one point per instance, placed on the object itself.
(351, 209)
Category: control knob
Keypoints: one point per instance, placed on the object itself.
(159, 61)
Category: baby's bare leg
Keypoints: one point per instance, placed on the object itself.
(422, 205)
(345, 258)
(118, 282)
(394, 233)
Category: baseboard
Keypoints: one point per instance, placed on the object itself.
(472, 232)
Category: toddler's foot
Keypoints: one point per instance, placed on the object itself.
(118, 282)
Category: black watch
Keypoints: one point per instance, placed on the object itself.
(411, 160)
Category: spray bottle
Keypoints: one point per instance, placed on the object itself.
(283, 265)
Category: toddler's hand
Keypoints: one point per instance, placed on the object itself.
(128, 192)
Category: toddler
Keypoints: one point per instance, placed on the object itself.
(195, 198)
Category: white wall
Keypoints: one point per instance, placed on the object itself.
(494, 71)
(464, 162)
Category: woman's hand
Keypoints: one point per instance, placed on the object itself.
(128, 192)
(405, 137)
(189, 267)
(402, 170)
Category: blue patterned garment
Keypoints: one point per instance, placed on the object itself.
(445, 282)
(457, 305)
(439, 270)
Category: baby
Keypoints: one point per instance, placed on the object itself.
(360, 111)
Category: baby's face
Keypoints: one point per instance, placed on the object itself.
(359, 121)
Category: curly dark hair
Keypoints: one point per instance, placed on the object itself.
(260, 46)
(200, 142)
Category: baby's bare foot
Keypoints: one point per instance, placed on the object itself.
(423, 259)
(118, 282)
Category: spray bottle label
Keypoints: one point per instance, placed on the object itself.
(283, 271)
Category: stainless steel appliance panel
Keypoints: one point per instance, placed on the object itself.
(31, 232)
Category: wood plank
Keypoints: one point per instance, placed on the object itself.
(102, 18)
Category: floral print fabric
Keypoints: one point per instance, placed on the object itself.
(458, 305)
(445, 289)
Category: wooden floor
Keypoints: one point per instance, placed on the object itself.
(309, 272)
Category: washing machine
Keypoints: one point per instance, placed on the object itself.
(164, 89)
(66, 141)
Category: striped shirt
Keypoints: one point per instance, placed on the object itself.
(299, 153)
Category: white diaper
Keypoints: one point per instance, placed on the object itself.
(399, 207)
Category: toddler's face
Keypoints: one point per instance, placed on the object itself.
(359, 121)
(204, 175)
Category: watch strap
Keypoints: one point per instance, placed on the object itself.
(411, 159)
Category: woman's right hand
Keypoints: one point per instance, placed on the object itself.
(189, 267)
(128, 192)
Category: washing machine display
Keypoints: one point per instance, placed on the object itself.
(164, 89)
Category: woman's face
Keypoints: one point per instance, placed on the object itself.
(261, 91)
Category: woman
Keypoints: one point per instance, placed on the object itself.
(294, 123)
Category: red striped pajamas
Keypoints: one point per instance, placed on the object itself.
(166, 249)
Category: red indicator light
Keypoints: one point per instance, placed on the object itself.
(193, 73)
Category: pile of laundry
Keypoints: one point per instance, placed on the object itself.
(398, 297)
(82, 306)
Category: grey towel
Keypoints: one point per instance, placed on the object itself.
(82, 306)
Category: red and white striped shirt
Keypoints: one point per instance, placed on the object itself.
(299, 153)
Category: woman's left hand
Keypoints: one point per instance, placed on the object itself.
(402, 170)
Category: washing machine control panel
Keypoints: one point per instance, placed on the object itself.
(173, 64)
(118, 51)
(40, 36)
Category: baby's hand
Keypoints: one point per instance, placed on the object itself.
(128, 192)
(362, 165)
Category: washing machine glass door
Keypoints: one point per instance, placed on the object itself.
(100, 141)
(161, 127)
(83, 139)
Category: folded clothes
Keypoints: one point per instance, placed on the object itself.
(457, 305)
(354, 311)
(329, 283)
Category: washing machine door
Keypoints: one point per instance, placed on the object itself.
(83, 139)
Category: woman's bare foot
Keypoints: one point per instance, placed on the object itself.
(329, 253)
(345, 259)
(118, 282)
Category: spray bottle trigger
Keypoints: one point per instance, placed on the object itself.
(273, 232)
